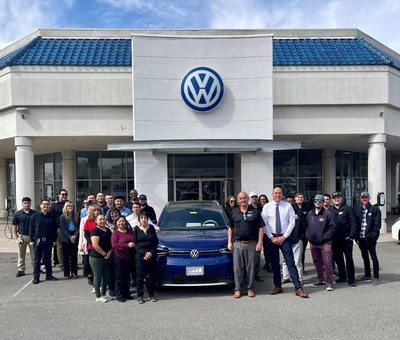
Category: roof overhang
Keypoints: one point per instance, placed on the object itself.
(204, 145)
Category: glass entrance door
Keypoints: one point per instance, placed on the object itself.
(200, 189)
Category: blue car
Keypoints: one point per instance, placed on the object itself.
(192, 248)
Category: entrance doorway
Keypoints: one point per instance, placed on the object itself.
(200, 189)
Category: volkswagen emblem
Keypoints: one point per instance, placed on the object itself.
(202, 89)
(194, 253)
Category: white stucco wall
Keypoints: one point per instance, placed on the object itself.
(245, 66)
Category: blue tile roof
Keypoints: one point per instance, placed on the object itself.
(117, 52)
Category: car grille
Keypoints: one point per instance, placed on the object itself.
(207, 280)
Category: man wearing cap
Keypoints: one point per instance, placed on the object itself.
(254, 200)
(320, 229)
(279, 218)
(369, 226)
(342, 242)
(147, 209)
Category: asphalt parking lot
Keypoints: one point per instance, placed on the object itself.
(67, 309)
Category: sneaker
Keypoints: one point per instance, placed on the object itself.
(51, 278)
(364, 278)
(375, 282)
(20, 273)
(42, 271)
(140, 300)
(153, 298)
(329, 288)
(93, 290)
(341, 280)
(101, 299)
(318, 284)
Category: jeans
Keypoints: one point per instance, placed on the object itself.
(368, 248)
(287, 252)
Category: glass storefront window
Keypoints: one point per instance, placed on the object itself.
(113, 165)
(310, 163)
(87, 165)
(298, 170)
(285, 163)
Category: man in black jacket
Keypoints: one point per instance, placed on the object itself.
(43, 236)
(369, 225)
(342, 242)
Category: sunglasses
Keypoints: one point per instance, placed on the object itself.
(317, 201)
(233, 201)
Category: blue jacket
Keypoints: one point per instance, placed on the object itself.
(65, 233)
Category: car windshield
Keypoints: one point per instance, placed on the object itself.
(189, 218)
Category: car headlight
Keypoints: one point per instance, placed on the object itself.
(162, 251)
(224, 251)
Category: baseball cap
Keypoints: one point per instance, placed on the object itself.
(319, 197)
(337, 194)
(365, 194)
(253, 193)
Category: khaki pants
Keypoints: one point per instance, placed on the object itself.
(22, 252)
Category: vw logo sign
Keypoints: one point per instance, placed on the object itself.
(194, 253)
(202, 89)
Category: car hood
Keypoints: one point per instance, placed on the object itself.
(193, 239)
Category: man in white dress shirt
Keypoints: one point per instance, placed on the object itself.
(279, 218)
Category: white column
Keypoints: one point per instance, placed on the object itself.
(68, 173)
(151, 178)
(24, 170)
(329, 166)
(3, 186)
(257, 170)
(377, 170)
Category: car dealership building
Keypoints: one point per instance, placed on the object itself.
(183, 114)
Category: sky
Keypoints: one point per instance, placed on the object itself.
(380, 19)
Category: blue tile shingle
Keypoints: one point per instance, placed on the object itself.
(117, 52)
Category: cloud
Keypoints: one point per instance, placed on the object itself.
(378, 19)
(19, 18)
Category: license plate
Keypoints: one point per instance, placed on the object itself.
(195, 271)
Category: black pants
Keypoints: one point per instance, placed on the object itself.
(87, 269)
(122, 276)
(145, 271)
(368, 248)
(70, 252)
(43, 248)
(340, 248)
(111, 278)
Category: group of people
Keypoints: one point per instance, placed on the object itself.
(289, 225)
(117, 240)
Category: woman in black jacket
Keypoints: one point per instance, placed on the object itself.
(146, 243)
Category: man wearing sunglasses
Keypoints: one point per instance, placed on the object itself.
(321, 227)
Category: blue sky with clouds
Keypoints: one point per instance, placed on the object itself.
(379, 19)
